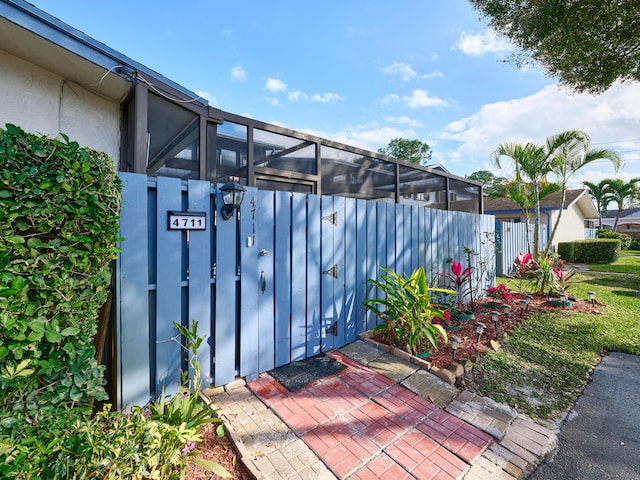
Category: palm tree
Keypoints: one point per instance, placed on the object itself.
(601, 195)
(620, 192)
(532, 163)
(522, 194)
(569, 152)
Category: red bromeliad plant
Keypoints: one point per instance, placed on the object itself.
(457, 279)
(523, 265)
(563, 278)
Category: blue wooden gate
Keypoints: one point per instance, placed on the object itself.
(283, 282)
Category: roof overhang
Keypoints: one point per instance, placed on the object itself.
(39, 38)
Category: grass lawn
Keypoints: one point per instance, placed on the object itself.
(545, 363)
(629, 262)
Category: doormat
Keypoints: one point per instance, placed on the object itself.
(299, 374)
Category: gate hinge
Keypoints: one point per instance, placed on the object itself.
(333, 218)
(333, 271)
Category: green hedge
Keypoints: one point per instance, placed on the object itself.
(625, 240)
(59, 212)
(566, 250)
(597, 250)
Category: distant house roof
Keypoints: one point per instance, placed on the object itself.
(627, 216)
(493, 206)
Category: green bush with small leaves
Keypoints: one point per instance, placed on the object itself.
(59, 212)
(566, 250)
(625, 240)
(597, 250)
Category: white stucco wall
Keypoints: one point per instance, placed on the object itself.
(41, 102)
(571, 226)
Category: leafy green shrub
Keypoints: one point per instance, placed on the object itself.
(635, 244)
(157, 441)
(597, 250)
(566, 251)
(407, 310)
(59, 207)
(625, 240)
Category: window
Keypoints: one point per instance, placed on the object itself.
(354, 175)
(281, 152)
(230, 152)
(172, 140)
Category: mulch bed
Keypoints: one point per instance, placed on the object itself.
(442, 357)
(220, 450)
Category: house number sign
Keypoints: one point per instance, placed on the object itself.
(187, 220)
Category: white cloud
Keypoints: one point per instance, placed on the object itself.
(275, 85)
(296, 95)
(406, 72)
(402, 70)
(481, 43)
(404, 120)
(421, 99)
(369, 136)
(608, 118)
(239, 74)
(207, 96)
(273, 101)
(326, 97)
(390, 98)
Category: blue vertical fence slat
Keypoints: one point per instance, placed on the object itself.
(249, 284)
(415, 238)
(133, 295)
(372, 258)
(266, 266)
(391, 237)
(351, 267)
(362, 267)
(328, 281)
(224, 330)
(282, 280)
(314, 312)
(298, 276)
(169, 352)
(399, 239)
(339, 204)
(199, 200)
(381, 239)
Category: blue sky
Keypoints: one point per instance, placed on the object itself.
(363, 72)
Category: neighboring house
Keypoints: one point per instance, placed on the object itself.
(579, 213)
(55, 79)
(629, 221)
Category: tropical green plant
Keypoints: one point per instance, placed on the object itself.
(407, 311)
(544, 280)
(621, 192)
(459, 281)
(531, 163)
(600, 194)
(572, 153)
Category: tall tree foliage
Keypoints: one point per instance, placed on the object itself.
(572, 153)
(587, 44)
(413, 151)
(494, 186)
(601, 196)
(621, 192)
(564, 155)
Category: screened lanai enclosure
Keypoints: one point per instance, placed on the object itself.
(191, 141)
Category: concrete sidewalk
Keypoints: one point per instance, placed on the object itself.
(601, 437)
(281, 434)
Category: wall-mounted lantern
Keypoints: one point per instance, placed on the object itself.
(232, 196)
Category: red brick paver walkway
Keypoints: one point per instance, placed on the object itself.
(364, 426)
